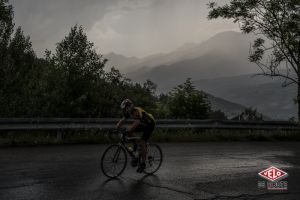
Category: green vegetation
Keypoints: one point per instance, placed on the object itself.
(249, 114)
(188, 103)
(224, 135)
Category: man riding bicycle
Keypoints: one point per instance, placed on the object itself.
(144, 122)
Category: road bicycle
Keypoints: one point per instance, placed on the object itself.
(114, 158)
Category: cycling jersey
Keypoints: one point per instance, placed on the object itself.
(142, 115)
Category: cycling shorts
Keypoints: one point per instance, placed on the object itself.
(147, 130)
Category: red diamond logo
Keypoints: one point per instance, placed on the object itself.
(273, 174)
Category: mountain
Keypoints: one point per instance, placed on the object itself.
(229, 41)
(225, 54)
(229, 108)
(123, 63)
(129, 65)
(263, 93)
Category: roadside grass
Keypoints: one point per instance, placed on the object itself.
(25, 138)
(224, 135)
(183, 135)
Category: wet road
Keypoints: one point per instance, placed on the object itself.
(189, 171)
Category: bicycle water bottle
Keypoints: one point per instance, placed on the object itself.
(136, 154)
(130, 149)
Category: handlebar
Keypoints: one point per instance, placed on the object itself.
(122, 135)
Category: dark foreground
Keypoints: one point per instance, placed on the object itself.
(189, 171)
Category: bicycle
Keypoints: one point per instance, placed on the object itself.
(114, 158)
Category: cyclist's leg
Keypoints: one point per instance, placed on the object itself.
(142, 155)
(136, 142)
(135, 160)
(145, 137)
(143, 151)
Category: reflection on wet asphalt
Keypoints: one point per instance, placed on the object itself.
(189, 171)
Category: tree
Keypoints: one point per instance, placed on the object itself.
(18, 77)
(6, 28)
(20, 80)
(78, 70)
(279, 22)
(162, 106)
(17, 66)
(217, 115)
(249, 114)
(142, 95)
(78, 86)
(187, 102)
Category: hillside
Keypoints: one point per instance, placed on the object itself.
(263, 93)
(229, 108)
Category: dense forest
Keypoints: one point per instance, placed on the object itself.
(72, 81)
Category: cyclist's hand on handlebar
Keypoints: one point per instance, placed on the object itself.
(115, 131)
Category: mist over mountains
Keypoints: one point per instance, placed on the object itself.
(218, 66)
(209, 59)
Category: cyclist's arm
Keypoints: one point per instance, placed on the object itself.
(133, 126)
(120, 123)
(137, 115)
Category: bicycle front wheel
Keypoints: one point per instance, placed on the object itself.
(113, 161)
(154, 158)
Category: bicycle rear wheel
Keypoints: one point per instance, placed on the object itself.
(113, 161)
(154, 158)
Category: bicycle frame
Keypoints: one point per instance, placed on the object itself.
(122, 144)
(121, 147)
(124, 141)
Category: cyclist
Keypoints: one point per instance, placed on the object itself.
(144, 122)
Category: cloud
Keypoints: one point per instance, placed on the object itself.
(130, 27)
(98, 33)
(47, 22)
(158, 26)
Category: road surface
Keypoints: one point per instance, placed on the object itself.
(190, 171)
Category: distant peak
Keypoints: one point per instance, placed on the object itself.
(232, 34)
(228, 34)
(113, 54)
(186, 46)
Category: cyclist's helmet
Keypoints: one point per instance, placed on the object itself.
(126, 103)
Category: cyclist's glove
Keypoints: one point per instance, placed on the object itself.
(115, 131)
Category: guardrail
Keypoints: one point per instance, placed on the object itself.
(62, 124)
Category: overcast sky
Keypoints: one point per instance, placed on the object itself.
(129, 27)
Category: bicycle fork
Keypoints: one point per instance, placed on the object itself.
(117, 154)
